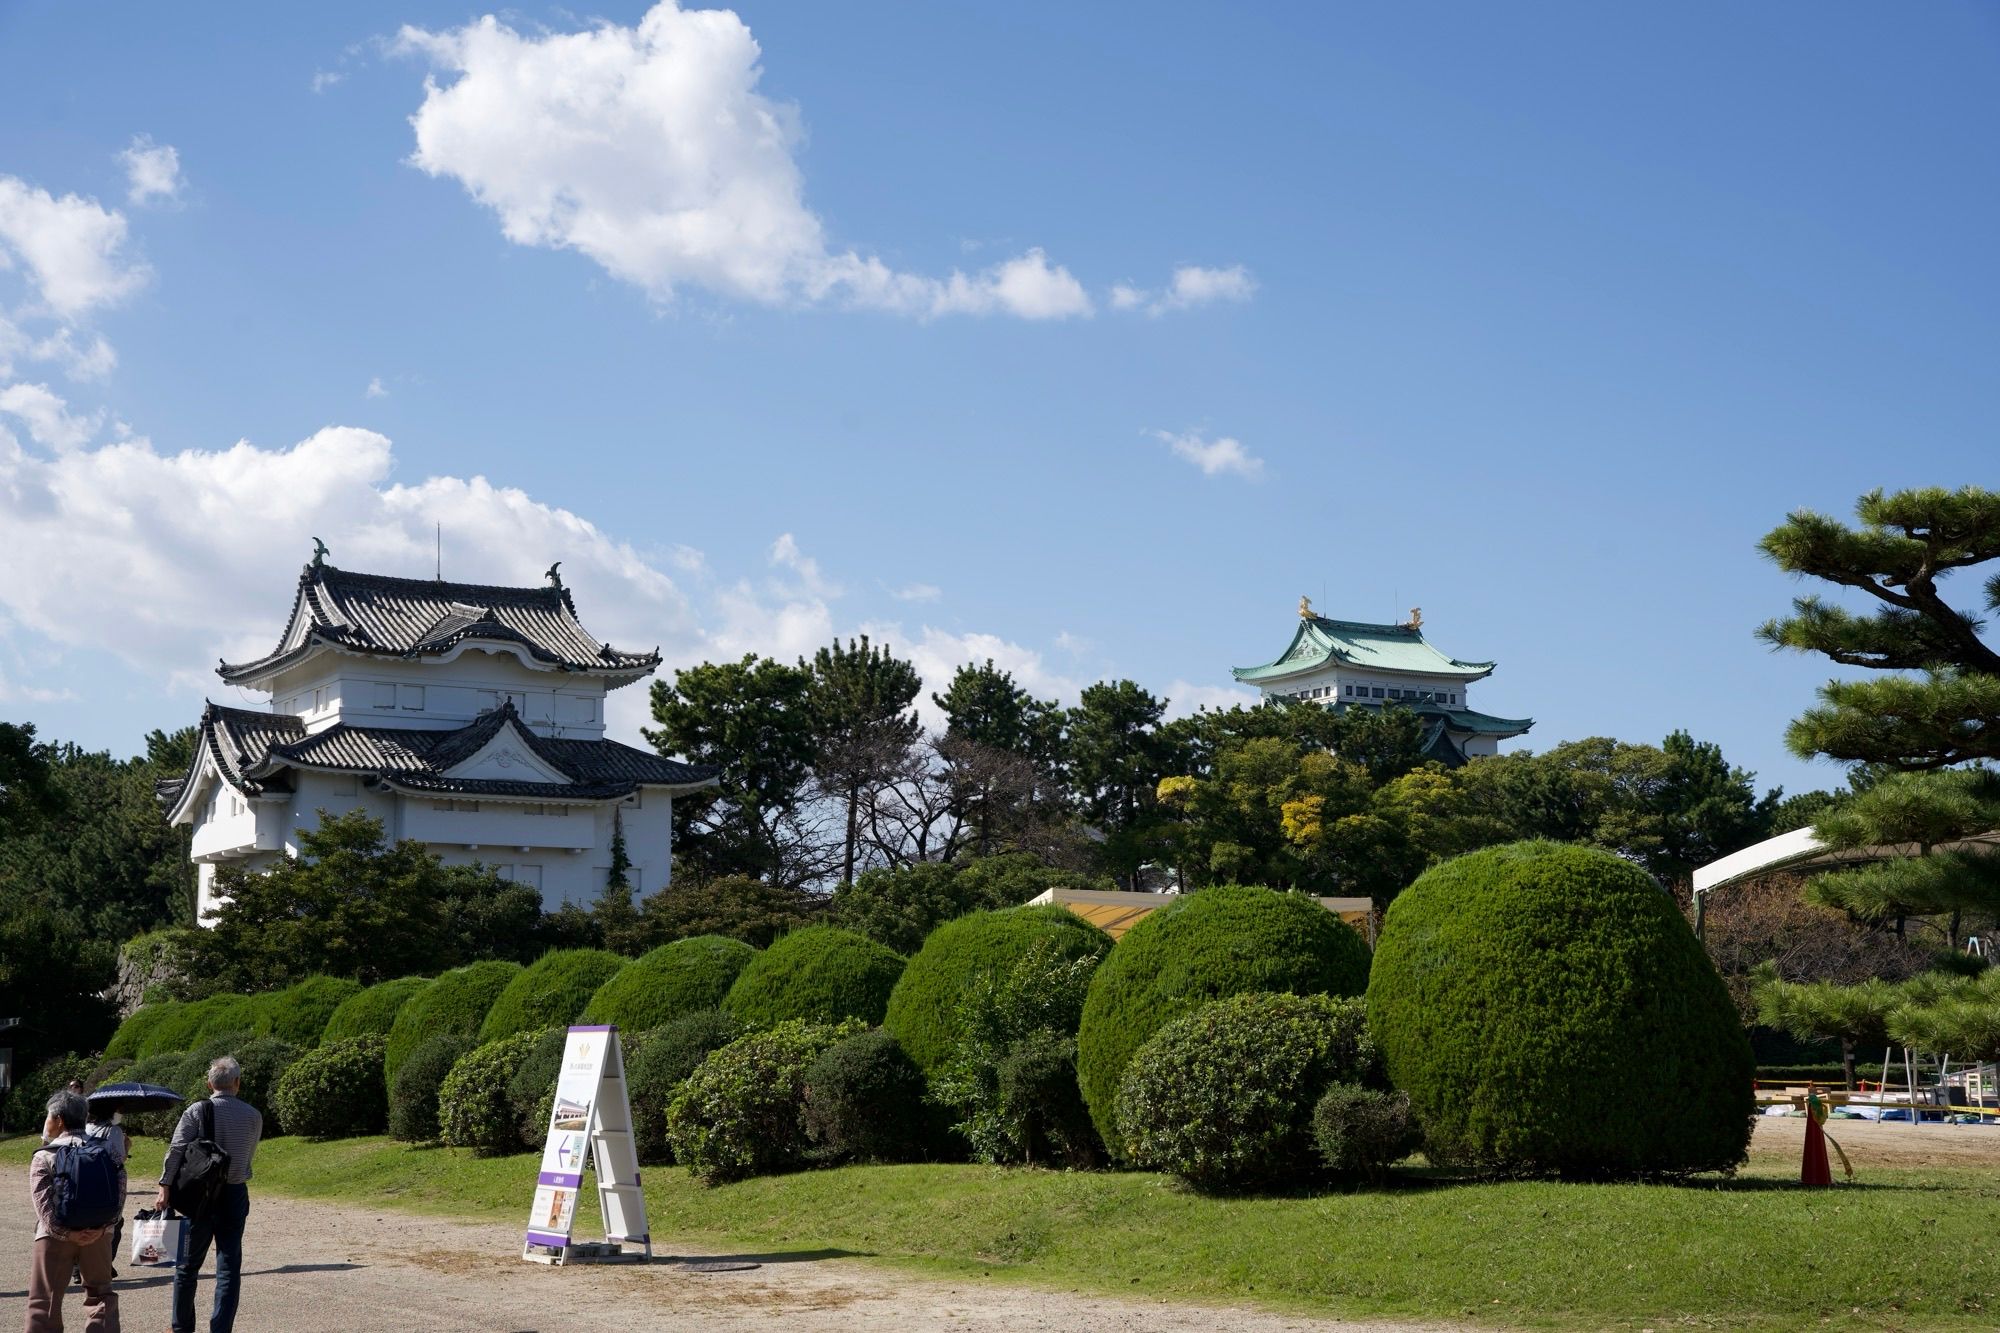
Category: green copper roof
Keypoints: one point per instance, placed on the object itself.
(1457, 721)
(1388, 649)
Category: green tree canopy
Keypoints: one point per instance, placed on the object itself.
(352, 905)
(752, 720)
(736, 906)
(863, 725)
(1117, 756)
(1906, 545)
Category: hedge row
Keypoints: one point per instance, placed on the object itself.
(1517, 995)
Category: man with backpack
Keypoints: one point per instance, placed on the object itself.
(78, 1188)
(206, 1178)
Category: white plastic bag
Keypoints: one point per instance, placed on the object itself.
(156, 1241)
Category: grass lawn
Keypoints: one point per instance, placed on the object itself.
(1913, 1246)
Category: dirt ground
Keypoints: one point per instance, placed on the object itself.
(314, 1267)
(318, 1267)
(1779, 1140)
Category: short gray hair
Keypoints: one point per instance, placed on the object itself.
(69, 1108)
(225, 1073)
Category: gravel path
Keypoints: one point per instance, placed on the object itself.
(313, 1266)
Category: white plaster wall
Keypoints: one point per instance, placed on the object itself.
(649, 840)
(438, 694)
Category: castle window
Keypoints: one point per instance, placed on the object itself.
(385, 695)
(412, 697)
(1376, 692)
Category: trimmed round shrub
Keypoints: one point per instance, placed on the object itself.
(740, 1113)
(549, 992)
(191, 1024)
(821, 974)
(473, 1109)
(684, 977)
(1223, 1098)
(454, 1002)
(299, 1014)
(531, 1091)
(413, 1098)
(266, 1061)
(125, 1043)
(925, 1009)
(227, 1015)
(1362, 1132)
(108, 1069)
(1205, 946)
(1522, 993)
(864, 1102)
(655, 1071)
(335, 1092)
(372, 1011)
(169, 1069)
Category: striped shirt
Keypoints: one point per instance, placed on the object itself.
(238, 1126)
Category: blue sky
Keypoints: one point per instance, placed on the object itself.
(1536, 317)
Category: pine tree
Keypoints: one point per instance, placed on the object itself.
(1918, 734)
(1939, 709)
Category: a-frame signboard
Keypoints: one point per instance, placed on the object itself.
(590, 1124)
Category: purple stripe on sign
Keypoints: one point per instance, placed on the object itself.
(569, 1179)
(547, 1238)
(607, 1027)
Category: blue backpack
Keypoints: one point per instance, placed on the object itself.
(86, 1180)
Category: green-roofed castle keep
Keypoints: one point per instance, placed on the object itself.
(1349, 663)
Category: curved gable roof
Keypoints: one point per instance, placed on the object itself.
(1320, 641)
(384, 616)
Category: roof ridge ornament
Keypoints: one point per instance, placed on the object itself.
(319, 554)
(1416, 620)
(555, 579)
(1305, 608)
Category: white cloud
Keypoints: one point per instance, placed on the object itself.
(1194, 286)
(152, 171)
(324, 79)
(47, 416)
(11, 693)
(1190, 286)
(785, 554)
(1213, 457)
(938, 654)
(92, 361)
(1185, 697)
(72, 248)
(650, 150)
(376, 389)
(166, 560)
(917, 592)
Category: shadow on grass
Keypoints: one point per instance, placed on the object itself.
(1426, 1180)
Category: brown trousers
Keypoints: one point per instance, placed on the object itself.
(49, 1274)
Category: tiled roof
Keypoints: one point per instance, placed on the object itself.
(257, 751)
(241, 739)
(1390, 649)
(416, 618)
(421, 760)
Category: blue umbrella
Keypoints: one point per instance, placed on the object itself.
(130, 1097)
